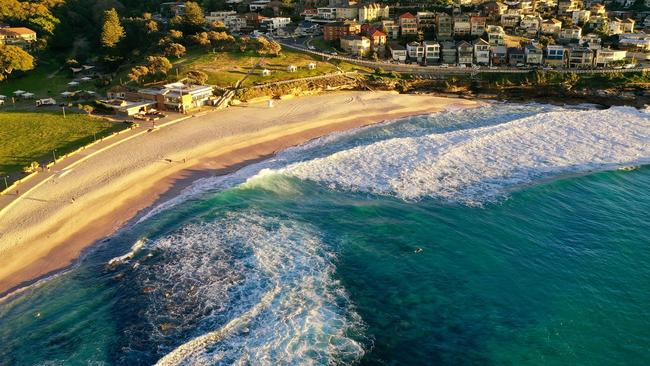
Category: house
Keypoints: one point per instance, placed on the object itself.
(219, 16)
(534, 54)
(117, 92)
(634, 41)
(415, 51)
(477, 25)
(531, 24)
(448, 52)
(555, 55)
(334, 31)
(580, 16)
(592, 41)
(178, 96)
(581, 57)
(128, 108)
(496, 35)
(551, 27)
(516, 56)
(373, 12)
(481, 52)
(462, 25)
(606, 56)
(566, 7)
(444, 26)
(618, 26)
(570, 34)
(426, 20)
(390, 28)
(17, 36)
(397, 52)
(498, 55)
(598, 10)
(337, 13)
(408, 24)
(274, 24)
(257, 5)
(510, 20)
(377, 40)
(171, 9)
(356, 45)
(431, 52)
(235, 23)
(465, 54)
(495, 9)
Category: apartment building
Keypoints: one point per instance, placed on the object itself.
(555, 55)
(477, 25)
(373, 12)
(444, 26)
(431, 52)
(408, 24)
(462, 25)
(481, 52)
(415, 51)
(334, 31)
(496, 35)
(356, 45)
(390, 28)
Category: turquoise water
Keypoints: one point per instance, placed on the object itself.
(505, 235)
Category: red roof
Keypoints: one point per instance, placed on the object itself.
(407, 15)
(17, 30)
(377, 33)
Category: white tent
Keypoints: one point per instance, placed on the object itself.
(2, 101)
(18, 92)
(27, 95)
(88, 67)
(90, 92)
(3, 97)
(311, 66)
(67, 93)
(86, 78)
(73, 83)
(266, 72)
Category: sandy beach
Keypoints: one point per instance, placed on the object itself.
(48, 228)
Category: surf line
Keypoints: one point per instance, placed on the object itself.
(194, 346)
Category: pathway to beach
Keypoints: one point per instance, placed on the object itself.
(93, 194)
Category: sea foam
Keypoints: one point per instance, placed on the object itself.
(482, 164)
(247, 289)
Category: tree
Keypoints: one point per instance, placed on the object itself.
(193, 15)
(175, 49)
(86, 108)
(32, 167)
(138, 72)
(220, 39)
(201, 39)
(546, 40)
(266, 47)
(14, 58)
(197, 77)
(112, 30)
(158, 64)
(175, 34)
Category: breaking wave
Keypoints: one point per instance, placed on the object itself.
(246, 289)
(482, 164)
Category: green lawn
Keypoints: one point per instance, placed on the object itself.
(32, 136)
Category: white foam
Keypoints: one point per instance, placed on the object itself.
(482, 164)
(247, 288)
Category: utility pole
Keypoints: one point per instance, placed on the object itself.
(63, 109)
(6, 184)
(54, 155)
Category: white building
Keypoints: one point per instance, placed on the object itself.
(219, 16)
(606, 56)
(415, 51)
(257, 5)
(275, 23)
(481, 52)
(372, 12)
(431, 52)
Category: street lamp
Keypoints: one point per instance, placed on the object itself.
(54, 155)
(6, 184)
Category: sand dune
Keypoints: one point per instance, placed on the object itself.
(46, 230)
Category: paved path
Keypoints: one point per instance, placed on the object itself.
(65, 165)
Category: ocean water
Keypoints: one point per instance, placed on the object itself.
(511, 234)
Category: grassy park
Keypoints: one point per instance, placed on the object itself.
(33, 136)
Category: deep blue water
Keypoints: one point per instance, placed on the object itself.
(505, 235)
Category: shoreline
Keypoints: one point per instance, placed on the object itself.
(63, 218)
